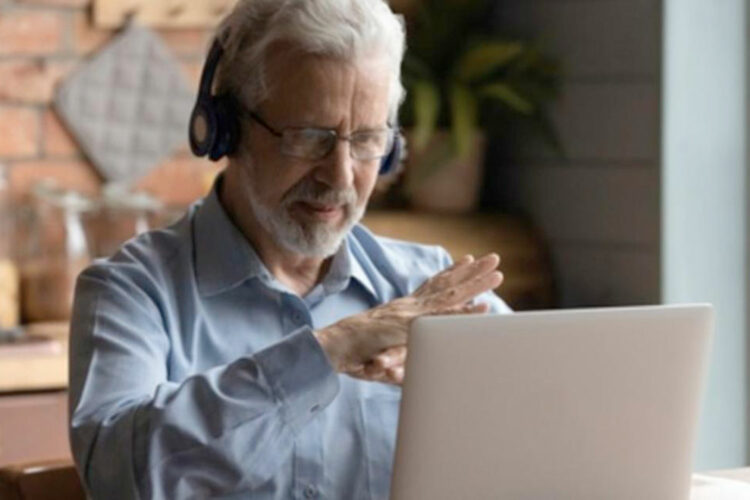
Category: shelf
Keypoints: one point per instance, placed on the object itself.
(524, 262)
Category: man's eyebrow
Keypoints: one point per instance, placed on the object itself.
(311, 122)
(371, 129)
(368, 128)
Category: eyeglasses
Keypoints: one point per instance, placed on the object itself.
(317, 143)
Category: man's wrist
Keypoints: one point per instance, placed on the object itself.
(327, 338)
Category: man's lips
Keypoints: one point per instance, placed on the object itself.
(320, 210)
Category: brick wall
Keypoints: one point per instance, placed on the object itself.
(42, 41)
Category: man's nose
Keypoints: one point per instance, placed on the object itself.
(336, 170)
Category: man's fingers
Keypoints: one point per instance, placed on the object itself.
(479, 308)
(391, 357)
(480, 284)
(393, 375)
(486, 265)
(396, 375)
(464, 292)
(466, 269)
(445, 277)
(471, 269)
(469, 308)
(372, 370)
(466, 259)
(387, 367)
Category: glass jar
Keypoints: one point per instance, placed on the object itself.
(57, 252)
(122, 214)
(9, 275)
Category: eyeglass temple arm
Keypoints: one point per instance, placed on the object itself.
(255, 116)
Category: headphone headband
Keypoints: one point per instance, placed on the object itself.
(209, 69)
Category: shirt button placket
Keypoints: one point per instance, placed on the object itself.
(292, 315)
(310, 491)
(297, 318)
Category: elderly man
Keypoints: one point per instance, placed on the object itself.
(255, 348)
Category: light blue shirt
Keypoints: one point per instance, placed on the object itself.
(195, 374)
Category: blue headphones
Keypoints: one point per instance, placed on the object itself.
(214, 128)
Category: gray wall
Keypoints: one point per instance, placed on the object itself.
(599, 207)
(705, 201)
(627, 222)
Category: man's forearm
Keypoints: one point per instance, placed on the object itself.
(156, 448)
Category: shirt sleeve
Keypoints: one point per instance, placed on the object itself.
(135, 434)
(497, 305)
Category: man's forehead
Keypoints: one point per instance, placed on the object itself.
(310, 85)
(289, 63)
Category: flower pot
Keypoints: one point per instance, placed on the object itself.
(438, 181)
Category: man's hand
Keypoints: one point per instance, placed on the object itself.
(372, 345)
(387, 366)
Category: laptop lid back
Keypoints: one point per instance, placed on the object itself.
(577, 404)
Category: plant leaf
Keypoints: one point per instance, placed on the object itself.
(414, 68)
(430, 162)
(549, 133)
(464, 112)
(507, 95)
(485, 58)
(426, 110)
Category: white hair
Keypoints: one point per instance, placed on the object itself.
(345, 29)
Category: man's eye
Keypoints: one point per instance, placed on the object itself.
(312, 136)
(369, 138)
(309, 140)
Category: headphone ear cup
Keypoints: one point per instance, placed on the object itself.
(203, 126)
(392, 159)
(227, 128)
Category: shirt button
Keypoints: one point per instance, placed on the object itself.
(310, 492)
(297, 317)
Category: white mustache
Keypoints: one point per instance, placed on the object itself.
(309, 191)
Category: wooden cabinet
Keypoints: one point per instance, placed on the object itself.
(525, 263)
(33, 399)
(33, 427)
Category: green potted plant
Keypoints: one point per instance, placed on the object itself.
(460, 75)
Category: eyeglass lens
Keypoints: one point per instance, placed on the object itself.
(315, 144)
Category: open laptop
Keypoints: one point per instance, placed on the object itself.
(597, 404)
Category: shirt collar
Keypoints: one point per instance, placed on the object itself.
(224, 258)
(345, 267)
(357, 271)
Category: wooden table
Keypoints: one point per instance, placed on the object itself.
(742, 475)
(34, 369)
(733, 484)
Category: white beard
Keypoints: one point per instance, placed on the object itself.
(309, 239)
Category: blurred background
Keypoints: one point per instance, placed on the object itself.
(599, 146)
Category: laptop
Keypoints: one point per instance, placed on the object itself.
(580, 404)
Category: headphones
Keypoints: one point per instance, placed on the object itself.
(214, 127)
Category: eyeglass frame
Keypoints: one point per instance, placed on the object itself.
(332, 132)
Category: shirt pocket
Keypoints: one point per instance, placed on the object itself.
(380, 419)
